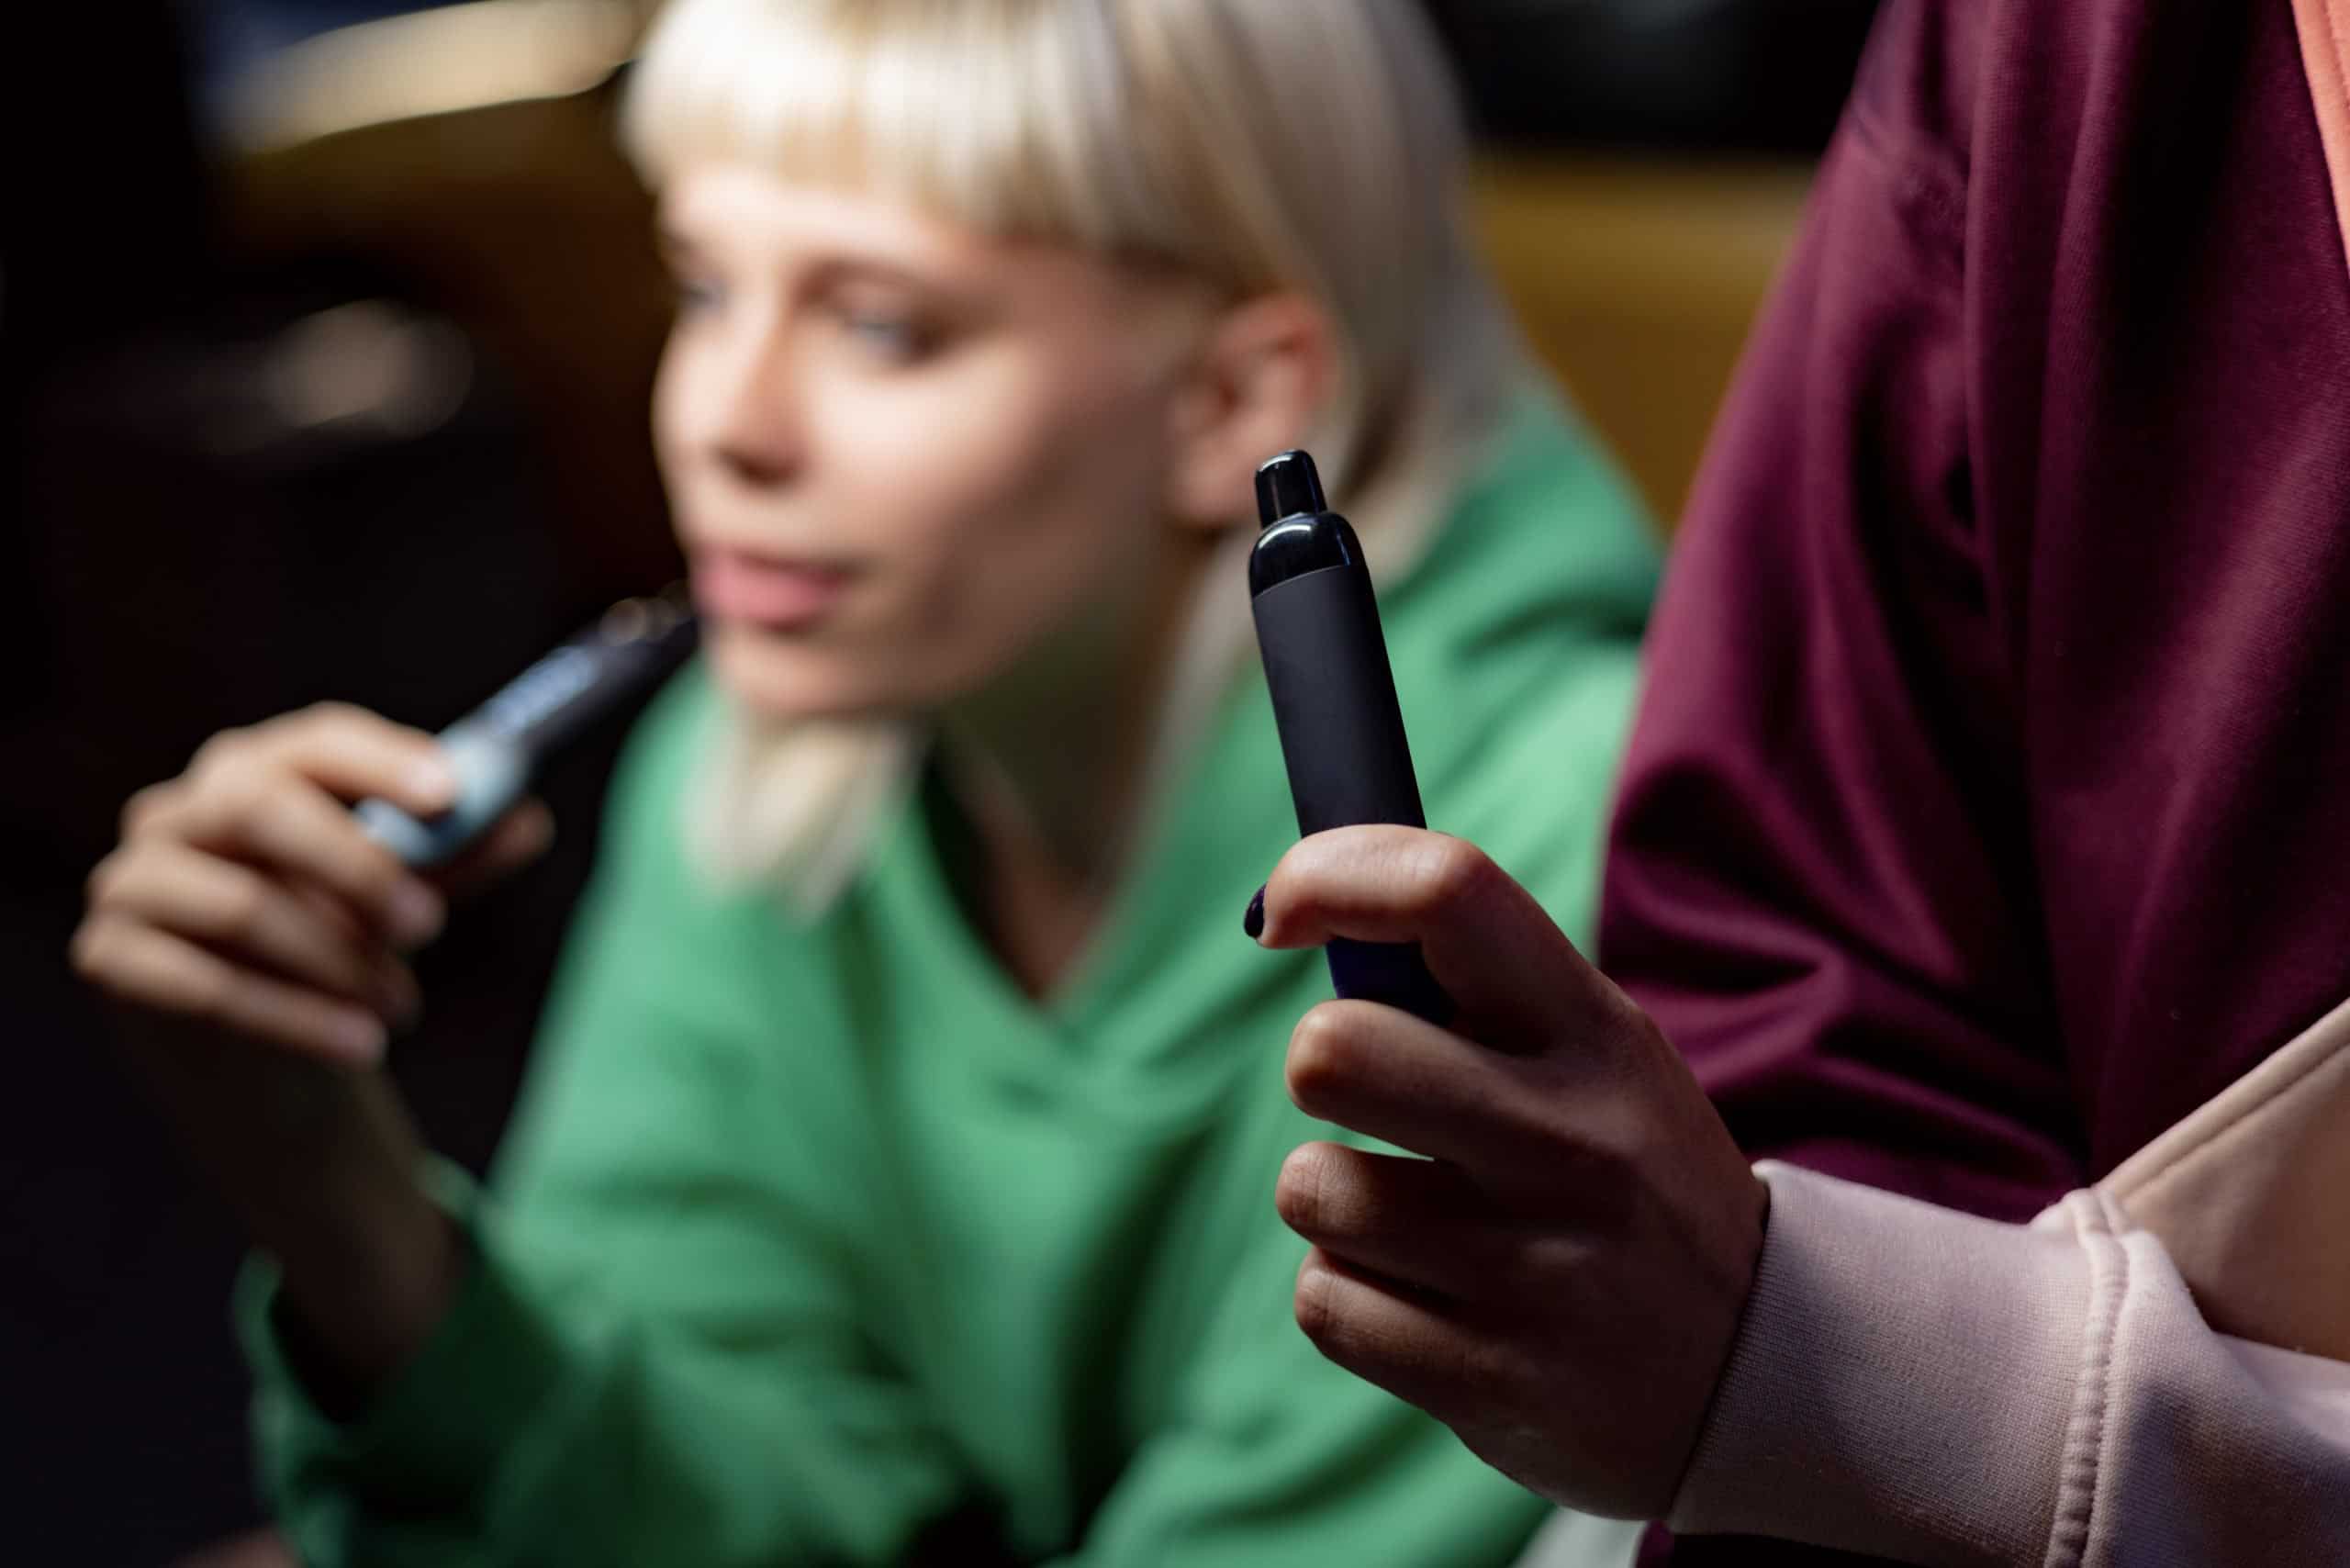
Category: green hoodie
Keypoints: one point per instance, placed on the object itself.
(822, 1243)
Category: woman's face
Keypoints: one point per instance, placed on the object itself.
(905, 458)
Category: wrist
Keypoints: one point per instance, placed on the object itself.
(357, 1305)
(324, 1170)
(369, 1262)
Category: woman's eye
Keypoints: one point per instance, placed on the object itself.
(894, 338)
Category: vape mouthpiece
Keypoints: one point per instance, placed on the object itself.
(1287, 487)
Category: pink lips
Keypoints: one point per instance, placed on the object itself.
(732, 584)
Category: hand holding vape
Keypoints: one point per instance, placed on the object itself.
(499, 748)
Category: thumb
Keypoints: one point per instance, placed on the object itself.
(516, 839)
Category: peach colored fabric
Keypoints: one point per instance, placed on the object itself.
(2154, 1373)
(1916, 1383)
(2325, 51)
(2248, 1195)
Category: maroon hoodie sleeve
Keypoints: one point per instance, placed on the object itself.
(1819, 883)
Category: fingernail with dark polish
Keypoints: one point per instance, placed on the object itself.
(1253, 923)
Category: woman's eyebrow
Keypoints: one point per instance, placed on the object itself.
(834, 265)
(850, 265)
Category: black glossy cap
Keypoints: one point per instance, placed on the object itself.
(1286, 487)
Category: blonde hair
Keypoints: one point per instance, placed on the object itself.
(1258, 145)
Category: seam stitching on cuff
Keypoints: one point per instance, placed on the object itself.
(2077, 1483)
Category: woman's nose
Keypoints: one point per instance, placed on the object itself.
(752, 457)
(755, 432)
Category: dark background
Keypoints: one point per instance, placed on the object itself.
(192, 546)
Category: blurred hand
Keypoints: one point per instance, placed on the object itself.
(1560, 1278)
(253, 937)
(245, 898)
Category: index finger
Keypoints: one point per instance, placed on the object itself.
(1516, 978)
(353, 755)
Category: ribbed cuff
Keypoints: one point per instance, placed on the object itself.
(440, 1427)
(1900, 1384)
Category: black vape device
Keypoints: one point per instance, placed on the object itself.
(1334, 699)
(499, 748)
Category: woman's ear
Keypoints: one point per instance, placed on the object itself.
(1264, 375)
